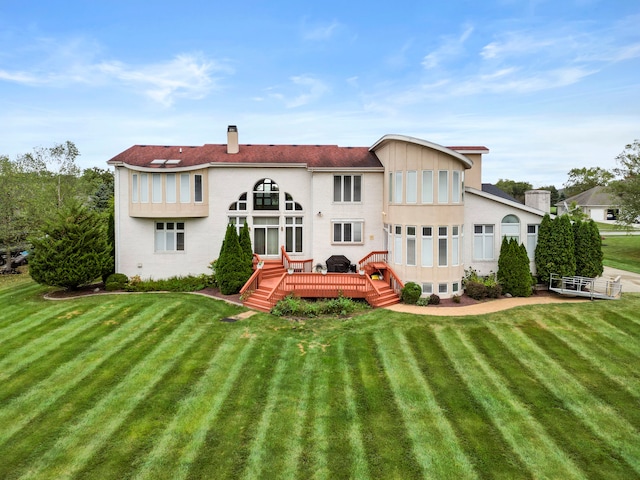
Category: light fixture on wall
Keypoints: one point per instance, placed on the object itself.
(319, 214)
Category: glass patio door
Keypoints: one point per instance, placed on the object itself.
(266, 235)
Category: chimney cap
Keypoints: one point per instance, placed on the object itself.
(232, 128)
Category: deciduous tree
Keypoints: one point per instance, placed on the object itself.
(627, 188)
(582, 179)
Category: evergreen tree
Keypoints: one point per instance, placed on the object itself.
(563, 247)
(229, 273)
(72, 250)
(588, 249)
(543, 258)
(514, 274)
(247, 250)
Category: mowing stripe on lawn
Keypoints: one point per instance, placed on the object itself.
(294, 440)
(386, 441)
(21, 410)
(255, 460)
(321, 413)
(227, 444)
(483, 442)
(600, 356)
(435, 444)
(622, 322)
(599, 416)
(541, 455)
(613, 333)
(77, 445)
(590, 454)
(38, 348)
(359, 466)
(176, 449)
(34, 320)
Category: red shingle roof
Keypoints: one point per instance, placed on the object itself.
(314, 156)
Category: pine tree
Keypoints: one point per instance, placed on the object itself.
(247, 250)
(543, 257)
(229, 273)
(72, 250)
(588, 250)
(563, 247)
(514, 274)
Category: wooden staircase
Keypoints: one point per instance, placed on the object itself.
(271, 283)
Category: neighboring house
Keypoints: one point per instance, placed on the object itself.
(596, 203)
(421, 202)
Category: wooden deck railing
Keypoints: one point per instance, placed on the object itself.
(376, 256)
(297, 265)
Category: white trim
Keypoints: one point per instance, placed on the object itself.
(504, 201)
(404, 138)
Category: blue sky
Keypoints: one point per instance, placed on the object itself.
(547, 86)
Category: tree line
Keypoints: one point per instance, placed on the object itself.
(623, 182)
(45, 186)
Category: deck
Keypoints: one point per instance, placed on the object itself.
(273, 280)
(593, 288)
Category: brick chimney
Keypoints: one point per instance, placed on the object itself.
(232, 139)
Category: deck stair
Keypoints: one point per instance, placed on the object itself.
(271, 282)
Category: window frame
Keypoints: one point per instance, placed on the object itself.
(410, 241)
(443, 237)
(177, 233)
(348, 188)
(412, 187)
(356, 226)
(443, 193)
(427, 187)
(486, 240)
(426, 245)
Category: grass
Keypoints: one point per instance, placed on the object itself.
(622, 251)
(156, 386)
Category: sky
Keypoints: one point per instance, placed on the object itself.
(547, 86)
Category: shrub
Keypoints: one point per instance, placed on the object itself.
(231, 274)
(72, 250)
(478, 287)
(410, 293)
(456, 298)
(116, 281)
(292, 306)
(514, 274)
(434, 299)
(174, 284)
(423, 302)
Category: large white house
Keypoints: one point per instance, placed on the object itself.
(421, 202)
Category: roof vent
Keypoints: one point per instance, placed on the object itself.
(232, 139)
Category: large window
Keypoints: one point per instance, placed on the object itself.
(156, 190)
(427, 186)
(397, 244)
(411, 245)
(511, 227)
(455, 187)
(144, 187)
(532, 240)
(412, 187)
(347, 188)
(455, 245)
(266, 235)
(443, 186)
(483, 242)
(427, 247)
(347, 231)
(170, 187)
(169, 236)
(185, 193)
(398, 188)
(134, 188)
(293, 234)
(443, 243)
(266, 195)
(197, 188)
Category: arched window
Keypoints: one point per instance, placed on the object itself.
(511, 227)
(289, 204)
(266, 195)
(241, 204)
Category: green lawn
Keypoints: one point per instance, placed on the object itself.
(622, 251)
(156, 386)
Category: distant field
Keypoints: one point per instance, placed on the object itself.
(622, 252)
(157, 386)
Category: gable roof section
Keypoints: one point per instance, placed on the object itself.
(493, 190)
(512, 203)
(596, 196)
(311, 156)
(457, 152)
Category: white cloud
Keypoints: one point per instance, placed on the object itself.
(185, 76)
(319, 32)
(312, 89)
(450, 48)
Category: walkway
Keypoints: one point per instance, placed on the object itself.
(630, 284)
